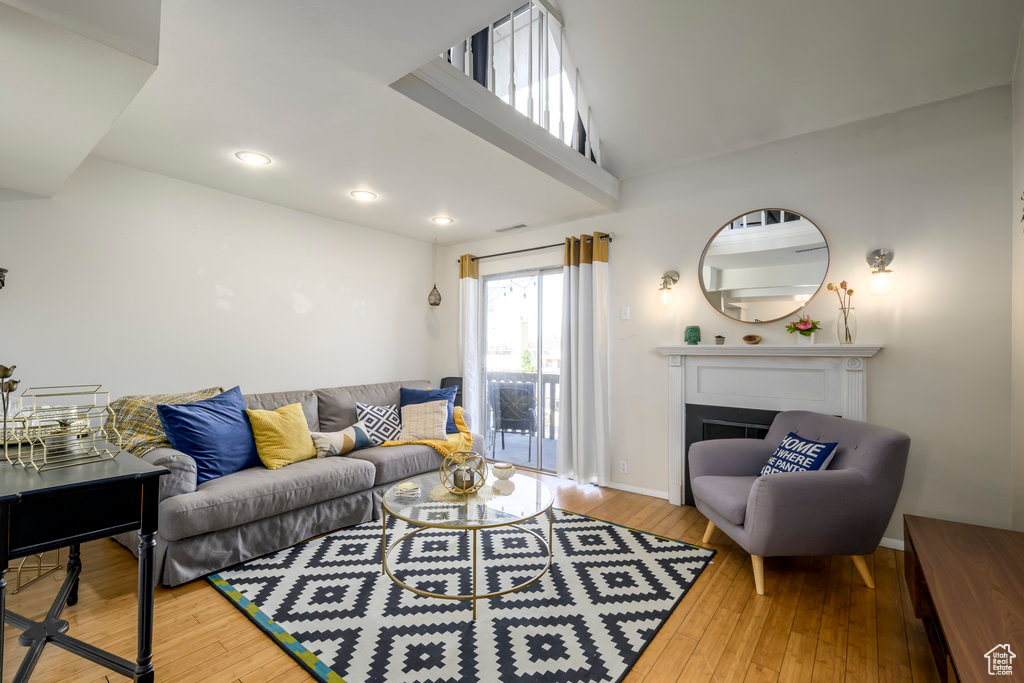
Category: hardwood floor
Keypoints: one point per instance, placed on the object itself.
(817, 621)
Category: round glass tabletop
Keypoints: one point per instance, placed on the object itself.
(522, 498)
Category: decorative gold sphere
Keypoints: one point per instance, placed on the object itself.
(463, 472)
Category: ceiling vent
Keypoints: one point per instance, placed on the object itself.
(510, 228)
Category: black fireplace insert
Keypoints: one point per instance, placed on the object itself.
(721, 422)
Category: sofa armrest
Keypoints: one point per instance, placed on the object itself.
(826, 512)
(182, 478)
(728, 457)
(478, 444)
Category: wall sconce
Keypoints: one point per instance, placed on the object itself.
(881, 277)
(667, 280)
(3, 277)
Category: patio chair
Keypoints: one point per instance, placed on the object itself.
(514, 410)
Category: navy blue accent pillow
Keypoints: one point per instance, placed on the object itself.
(797, 454)
(215, 432)
(410, 397)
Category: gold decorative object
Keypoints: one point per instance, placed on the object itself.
(61, 426)
(37, 564)
(463, 472)
(7, 386)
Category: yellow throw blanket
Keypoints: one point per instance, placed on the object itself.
(463, 441)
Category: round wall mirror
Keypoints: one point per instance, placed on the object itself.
(763, 266)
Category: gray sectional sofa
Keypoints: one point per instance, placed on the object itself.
(257, 511)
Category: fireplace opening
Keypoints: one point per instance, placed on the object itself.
(705, 422)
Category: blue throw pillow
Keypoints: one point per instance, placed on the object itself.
(215, 432)
(797, 454)
(413, 396)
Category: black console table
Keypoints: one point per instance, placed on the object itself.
(42, 511)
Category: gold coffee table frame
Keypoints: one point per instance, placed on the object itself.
(467, 527)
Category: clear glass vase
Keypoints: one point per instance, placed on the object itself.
(846, 325)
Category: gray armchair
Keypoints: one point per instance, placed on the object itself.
(842, 510)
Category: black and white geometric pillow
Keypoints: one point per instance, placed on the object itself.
(383, 423)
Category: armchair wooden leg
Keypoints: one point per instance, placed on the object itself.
(758, 562)
(862, 569)
(707, 532)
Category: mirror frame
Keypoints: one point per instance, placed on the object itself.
(700, 265)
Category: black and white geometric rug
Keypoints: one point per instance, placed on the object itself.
(606, 595)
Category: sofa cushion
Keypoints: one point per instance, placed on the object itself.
(282, 436)
(425, 421)
(277, 399)
(725, 495)
(337, 405)
(797, 454)
(395, 463)
(341, 443)
(258, 493)
(416, 396)
(215, 432)
(383, 423)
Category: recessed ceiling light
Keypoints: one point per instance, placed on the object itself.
(254, 158)
(443, 220)
(363, 195)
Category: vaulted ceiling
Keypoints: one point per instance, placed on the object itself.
(674, 80)
(307, 83)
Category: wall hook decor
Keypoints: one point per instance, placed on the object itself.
(3, 277)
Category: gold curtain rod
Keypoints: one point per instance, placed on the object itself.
(521, 251)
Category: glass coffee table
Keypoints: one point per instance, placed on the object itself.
(521, 499)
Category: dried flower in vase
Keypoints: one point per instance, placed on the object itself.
(844, 293)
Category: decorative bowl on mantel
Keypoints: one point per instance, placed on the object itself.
(752, 339)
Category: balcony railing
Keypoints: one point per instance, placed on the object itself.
(522, 59)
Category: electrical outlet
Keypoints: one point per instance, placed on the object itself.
(623, 466)
(624, 314)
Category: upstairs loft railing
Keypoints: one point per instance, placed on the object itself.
(521, 58)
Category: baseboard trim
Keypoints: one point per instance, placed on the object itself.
(636, 489)
(893, 543)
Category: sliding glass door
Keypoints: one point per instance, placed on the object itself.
(522, 360)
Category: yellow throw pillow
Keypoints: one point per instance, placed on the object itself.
(282, 436)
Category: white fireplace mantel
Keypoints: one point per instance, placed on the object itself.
(825, 378)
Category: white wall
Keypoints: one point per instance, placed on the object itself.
(1017, 232)
(149, 284)
(931, 182)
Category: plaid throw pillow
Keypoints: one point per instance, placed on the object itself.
(136, 425)
(383, 423)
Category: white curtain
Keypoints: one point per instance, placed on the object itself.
(583, 413)
(469, 342)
